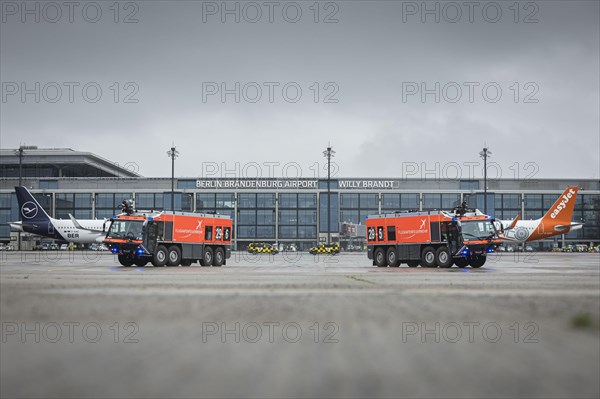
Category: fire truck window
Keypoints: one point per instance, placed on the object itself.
(168, 231)
(208, 233)
(380, 236)
(391, 232)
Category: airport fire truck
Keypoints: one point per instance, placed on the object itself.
(431, 238)
(167, 238)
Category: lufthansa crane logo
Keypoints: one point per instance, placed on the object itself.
(422, 223)
(29, 210)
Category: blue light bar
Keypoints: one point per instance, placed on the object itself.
(150, 218)
(490, 250)
(114, 250)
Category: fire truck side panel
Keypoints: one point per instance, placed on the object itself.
(193, 233)
(407, 234)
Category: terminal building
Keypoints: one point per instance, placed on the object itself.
(275, 210)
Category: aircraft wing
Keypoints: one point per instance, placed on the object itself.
(505, 238)
(79, 226)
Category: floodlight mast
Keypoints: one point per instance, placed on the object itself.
(173, 153)
(329, 153)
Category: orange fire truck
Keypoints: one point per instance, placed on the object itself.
(431, 238)
(168, 238)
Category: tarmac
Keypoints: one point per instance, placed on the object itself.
(77, 324)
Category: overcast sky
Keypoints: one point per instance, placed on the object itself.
(393, 94)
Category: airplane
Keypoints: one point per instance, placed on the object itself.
(555, 222)
(33, 219)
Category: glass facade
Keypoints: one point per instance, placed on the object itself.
(400, 202)
(354, 208)
(109, 204)
(333, 223)
(297, 217)
(221, 203)
(256, 216)
(300, 216)
(440, 201)
(78, 205)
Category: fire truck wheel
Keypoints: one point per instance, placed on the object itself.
(392, 257)
(412, 263)
(125, 260)
(477, 261)
(428, 257)
(219, 257)
(207, 256)
(379, 256)
(461, 262)
(186, 262)
(160, 256)
(443, 258)
(174, 256)
(141, 262)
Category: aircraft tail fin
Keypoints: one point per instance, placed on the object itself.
(562, 210)
(29, 209)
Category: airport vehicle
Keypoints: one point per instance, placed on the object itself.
(431, 238)
(262, 248)
(555, 222)
(325, 249)
(33, 219)
(169, 238)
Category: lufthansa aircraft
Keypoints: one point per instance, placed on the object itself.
(36, 221)
(556, 221)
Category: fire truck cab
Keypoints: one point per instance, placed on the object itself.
(171, 239)
(431, 238)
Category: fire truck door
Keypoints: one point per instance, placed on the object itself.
(150, 236)
(452, 234)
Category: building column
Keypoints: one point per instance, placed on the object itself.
(235, 221)
(277, 217)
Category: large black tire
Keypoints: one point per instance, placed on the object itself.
(461, 262)
(412, 263)
(428, 257)
(392, 257)
(141, 262)
(186, 262)
(379, 257)
(219, 257)
(477, 261)
(174, 256)
(443, 258)
(207, 256)
(160, 256)
(125, 260)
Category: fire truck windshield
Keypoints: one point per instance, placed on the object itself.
(477, 229)
(130, 229)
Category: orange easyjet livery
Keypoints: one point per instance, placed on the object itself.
(556, 221)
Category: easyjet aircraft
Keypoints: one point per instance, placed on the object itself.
(556, 221)
(36, 221)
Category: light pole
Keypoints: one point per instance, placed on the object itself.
(485, 153)
(329, 153)
(20, 153)
(173, 153)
